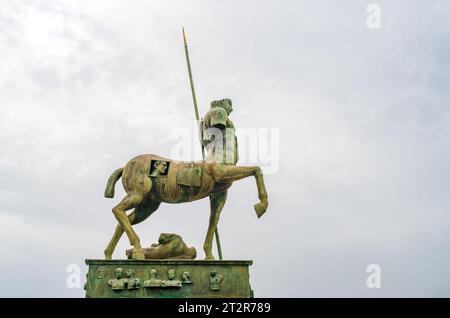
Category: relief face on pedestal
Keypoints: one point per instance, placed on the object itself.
(100, 273)
(117, 283)
(215, 280)
(153, 281)
(171, 281)
(186, 278)
(132, 283)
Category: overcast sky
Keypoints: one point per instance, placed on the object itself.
(362, 115)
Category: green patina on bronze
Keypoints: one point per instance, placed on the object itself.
(167, 278)
(167, 269)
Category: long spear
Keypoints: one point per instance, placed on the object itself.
(197, 117)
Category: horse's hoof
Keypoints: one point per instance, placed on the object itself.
(138, 253)
(108, 254)
(260, 209)
(209, 258)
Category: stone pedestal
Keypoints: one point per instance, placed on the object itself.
(167, 278)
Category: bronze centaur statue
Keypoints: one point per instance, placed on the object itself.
(145, 193)
(150, 179)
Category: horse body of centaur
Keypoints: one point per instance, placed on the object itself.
(150, 179)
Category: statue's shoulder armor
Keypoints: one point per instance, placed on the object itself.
(216, 117)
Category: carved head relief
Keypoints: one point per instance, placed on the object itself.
(186, 278)
(158, 168)
(171, 274)
(100, 273)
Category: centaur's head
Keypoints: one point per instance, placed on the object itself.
(223, 103)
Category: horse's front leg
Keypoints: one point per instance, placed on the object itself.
(230, 173)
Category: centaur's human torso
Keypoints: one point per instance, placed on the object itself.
(218, 134)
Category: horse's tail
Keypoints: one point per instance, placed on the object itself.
(109, 191)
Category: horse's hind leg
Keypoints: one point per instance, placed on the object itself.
(139, 214)
(116, 237)
(217, 201)
(131, 200)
